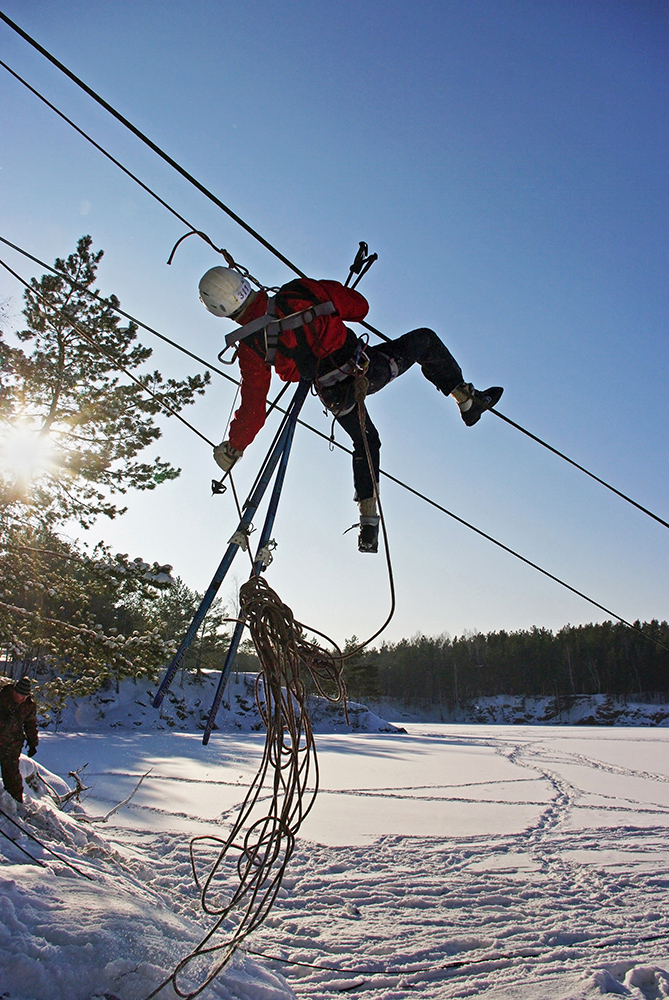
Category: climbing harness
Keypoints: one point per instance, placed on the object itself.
(273, 326)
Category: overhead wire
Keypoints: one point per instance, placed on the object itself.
(145, 187)
(225, 208)
(244, 225)
(582, 468)
(109, 354)
(342, 447)
(149, 142)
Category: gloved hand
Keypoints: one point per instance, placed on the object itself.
(32, 751)
(225, 455)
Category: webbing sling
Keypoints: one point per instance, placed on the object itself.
(274, 327)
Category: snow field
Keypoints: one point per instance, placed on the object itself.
(452, 861)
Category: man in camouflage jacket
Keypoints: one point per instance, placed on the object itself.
(18, 723)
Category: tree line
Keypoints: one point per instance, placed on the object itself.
(606, 658)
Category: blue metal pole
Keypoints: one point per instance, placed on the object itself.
(249, 512)
(223, 680)
(286, 443)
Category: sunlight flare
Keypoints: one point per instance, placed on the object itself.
(25, 452)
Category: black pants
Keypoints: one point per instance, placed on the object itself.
(11, 775)
(386, 362)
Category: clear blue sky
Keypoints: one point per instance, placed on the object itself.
(508, 162)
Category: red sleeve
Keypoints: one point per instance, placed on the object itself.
(250, 416)
(349, 303)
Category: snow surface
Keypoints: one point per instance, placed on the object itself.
(519, 862)
(186, 707)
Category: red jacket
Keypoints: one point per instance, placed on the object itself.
(325, 336)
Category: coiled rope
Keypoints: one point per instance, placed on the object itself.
(261, 841)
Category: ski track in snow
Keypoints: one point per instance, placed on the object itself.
(538, 916)
(552, 886)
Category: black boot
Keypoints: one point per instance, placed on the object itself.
(481, 401)
(368, 538)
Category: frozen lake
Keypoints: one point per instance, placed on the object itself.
(521, 862)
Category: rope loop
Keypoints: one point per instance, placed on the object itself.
(242, 879)
(229, 259)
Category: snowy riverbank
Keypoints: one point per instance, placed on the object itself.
(514, 863)
(187, 704)
(186, 707)
(579, 710)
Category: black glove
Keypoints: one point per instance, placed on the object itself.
(32, 751)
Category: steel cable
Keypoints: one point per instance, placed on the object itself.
(244, 225)
(152, 145)
(225, 253)
(581, 468)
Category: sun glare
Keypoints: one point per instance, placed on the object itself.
(24, 453)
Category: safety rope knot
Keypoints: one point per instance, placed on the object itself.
(360, 386)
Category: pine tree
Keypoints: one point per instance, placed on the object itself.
(360, 673)
(73, 427)
(73, 424)
(66, 615)
(172, 612)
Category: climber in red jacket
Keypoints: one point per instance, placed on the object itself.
(314, 343)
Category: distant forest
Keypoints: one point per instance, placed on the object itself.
(586, 659)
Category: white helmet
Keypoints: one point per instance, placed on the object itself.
(224, 291)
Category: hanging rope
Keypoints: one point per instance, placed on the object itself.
(229, 259)
(360, 389)
(251, 861)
